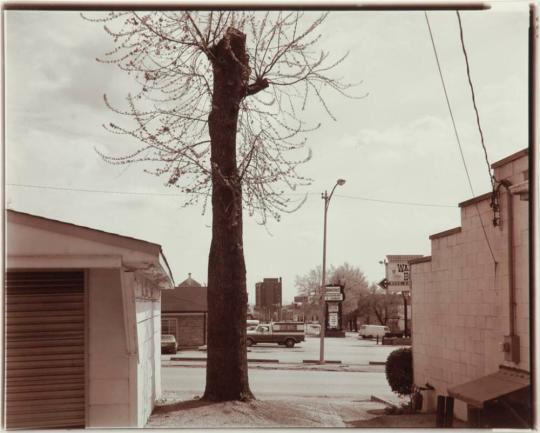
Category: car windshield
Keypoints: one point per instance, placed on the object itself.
(168, 338)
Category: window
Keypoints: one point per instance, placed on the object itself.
(288, 327)
(168, 326)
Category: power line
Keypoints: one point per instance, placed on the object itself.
(405, 203)
(98, 191)
(491, 177)
(457, 137)
(449, 106)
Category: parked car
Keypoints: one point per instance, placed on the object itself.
(168, 344)
(371, 331)
(282, 333)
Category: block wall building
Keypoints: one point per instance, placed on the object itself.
(461, 298)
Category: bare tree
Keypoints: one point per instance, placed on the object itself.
(310, 283)
(354, 282)
(219, 105)
(350, 277)
(376, 302)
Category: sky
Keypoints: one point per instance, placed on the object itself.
(395, 145)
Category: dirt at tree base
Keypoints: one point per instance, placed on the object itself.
(302, 412)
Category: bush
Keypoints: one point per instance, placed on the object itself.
(399, 371)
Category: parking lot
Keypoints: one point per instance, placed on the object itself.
(349, 350)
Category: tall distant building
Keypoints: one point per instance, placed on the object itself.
(268, 298)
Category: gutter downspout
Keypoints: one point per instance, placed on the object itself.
(511, 342)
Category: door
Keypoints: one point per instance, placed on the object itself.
(45, 368)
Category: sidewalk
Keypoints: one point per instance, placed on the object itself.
(174, 411)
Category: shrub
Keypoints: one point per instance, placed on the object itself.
(399, 371)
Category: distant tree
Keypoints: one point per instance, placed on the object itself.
(351, 277)
(309, 283)
(378, 304)
(218, 112)
(354, 282)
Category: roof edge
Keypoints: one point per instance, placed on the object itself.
(510, 158)
(476, 199)
(420, 260)
(445, 233)
(80, 231)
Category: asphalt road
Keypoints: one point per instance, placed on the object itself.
(279, 383)
(349, 350)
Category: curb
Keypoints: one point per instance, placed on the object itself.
(383, 401)
(194, 358)
(313, 361)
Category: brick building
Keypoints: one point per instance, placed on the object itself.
(268, 298)
(184, 313)
(470, 306)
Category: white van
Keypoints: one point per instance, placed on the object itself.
(372, 331)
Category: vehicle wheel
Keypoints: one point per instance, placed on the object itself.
(249, 342)
(290, 343)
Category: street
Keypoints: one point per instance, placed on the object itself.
(288, 375)
(349, 350)
(282, 383)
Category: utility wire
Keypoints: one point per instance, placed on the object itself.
(99, 191)
(405, 203)
(457, 137)
(449, 106)
(491, 177)
(57, 188)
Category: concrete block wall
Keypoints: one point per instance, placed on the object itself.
(460, 298)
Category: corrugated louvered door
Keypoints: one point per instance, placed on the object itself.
(45, 375)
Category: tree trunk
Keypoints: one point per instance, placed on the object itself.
(226, 369)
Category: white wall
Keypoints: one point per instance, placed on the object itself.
(109, 384)
(123, 313)
(460, 299)
(148, 317)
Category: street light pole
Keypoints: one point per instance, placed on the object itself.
(322, 321)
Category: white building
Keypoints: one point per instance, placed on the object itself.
(470, 306)
(82, 330)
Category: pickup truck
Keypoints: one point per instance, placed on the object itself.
(283, 333)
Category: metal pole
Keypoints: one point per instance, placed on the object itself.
(323, 284)
(322, 307)
(405, 330)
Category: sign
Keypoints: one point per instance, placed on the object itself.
(398, 272)
(383, 284)
(300, 299)
(332, 320)
(333, 308)
(333, 297)
(333, 289)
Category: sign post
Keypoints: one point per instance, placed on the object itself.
(333, 297)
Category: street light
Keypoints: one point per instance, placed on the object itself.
(326, 199)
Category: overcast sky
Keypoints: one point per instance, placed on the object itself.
(395, 145)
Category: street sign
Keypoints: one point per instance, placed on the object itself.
(383, 284)
(333, 297)
(333, 289)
